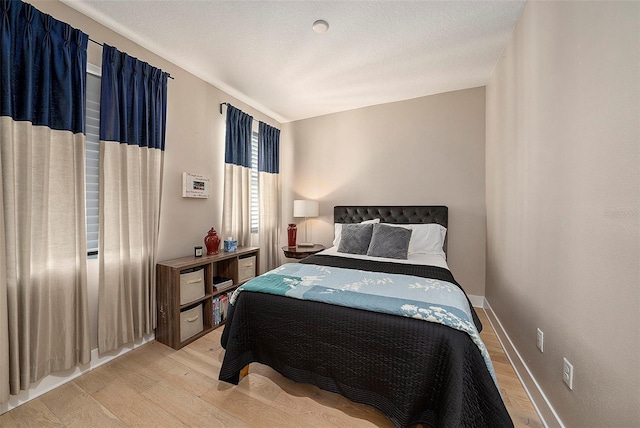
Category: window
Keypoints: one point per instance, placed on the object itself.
(255, 199)
(92, 153)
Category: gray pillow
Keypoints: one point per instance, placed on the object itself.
(389, 241)
(355, 238)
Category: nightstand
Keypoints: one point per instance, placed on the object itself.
(298, 252)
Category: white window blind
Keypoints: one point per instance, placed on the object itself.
(255, 207)
(92, 161)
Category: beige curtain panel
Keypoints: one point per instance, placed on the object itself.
(43, 250)
(270, 194)
(43, 254)
(236, 211)
(133, 109)
(130, 188)
(236, 205)
(270, 219)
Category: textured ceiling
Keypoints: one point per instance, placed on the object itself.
(266, 54)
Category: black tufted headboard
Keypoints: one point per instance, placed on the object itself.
(393, 214)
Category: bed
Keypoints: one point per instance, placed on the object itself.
(404, 358)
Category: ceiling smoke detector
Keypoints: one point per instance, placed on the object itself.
(320, 26)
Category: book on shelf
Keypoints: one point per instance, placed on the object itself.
(224, 307)
(216, 310)
(220, 284)
(221, 307)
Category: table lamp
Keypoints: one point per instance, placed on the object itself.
(305, 208)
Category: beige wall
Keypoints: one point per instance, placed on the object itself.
(194, 143)
(563, 204)
(424, 151)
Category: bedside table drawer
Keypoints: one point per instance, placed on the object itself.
(246, 268)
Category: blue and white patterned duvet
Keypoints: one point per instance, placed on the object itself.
(427, 299)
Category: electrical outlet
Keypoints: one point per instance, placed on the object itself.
(540, 341)
(567, 373)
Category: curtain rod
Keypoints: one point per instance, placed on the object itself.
(100, 44)
(223, 104)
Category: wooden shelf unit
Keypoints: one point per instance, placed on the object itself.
(168, 291)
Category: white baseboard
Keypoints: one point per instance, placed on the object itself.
(53, 381)
(540, 402)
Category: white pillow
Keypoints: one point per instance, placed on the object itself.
(338, 230)
(426, 238)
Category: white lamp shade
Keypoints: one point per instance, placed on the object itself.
(305, 208)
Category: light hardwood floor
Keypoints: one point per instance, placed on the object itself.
(156, 386)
